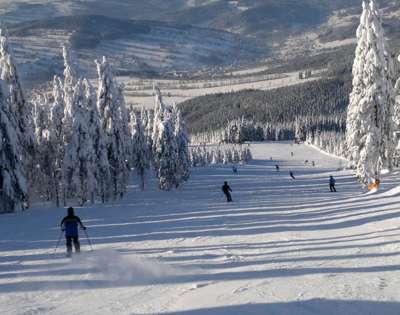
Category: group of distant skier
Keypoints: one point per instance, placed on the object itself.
(226, 189)
(71, 223)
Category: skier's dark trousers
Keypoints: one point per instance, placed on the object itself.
(70, 226)
(227, 191)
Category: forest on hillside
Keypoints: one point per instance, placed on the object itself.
(312, 102)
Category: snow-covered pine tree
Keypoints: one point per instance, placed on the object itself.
(182, 139)
(225, 159)
(158, 119)
(80, 156)
(229, 155)
(166, 155)
(66, 129)
(68, 85)
(15, 96)
(396, 111)
(124, 114)
(202, 152)
(214, 160)
(57, 142)
(369, 126)
(389, 92)
(13, 186)
(113, 117)
(194, 158)
(41, 170)
(18, 108)
(96, 133)
(70, 79)
(145, 119)
(235, 155)
(140, 149)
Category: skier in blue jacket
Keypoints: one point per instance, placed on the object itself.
(70, 226)
(332, 183)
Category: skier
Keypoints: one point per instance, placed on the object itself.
(291, 175)
(70, 226)
(227, 191)
(277, 167)
(234, 169)
(332, 183)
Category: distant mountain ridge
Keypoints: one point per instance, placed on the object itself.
(204, 34)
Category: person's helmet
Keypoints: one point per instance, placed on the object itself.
(70, 211)
(225, 183)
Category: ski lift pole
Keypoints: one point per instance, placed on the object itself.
(88, 239)
(58, 242)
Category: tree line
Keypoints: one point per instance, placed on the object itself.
(81, 144)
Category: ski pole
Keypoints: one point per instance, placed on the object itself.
(88, 239)
(58, 242)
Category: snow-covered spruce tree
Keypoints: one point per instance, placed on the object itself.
(145, 119)
(13, 186)
(96, 133)
(125, 117)
(20, 115)
(57, 142)
(235, 155)
(113, 117)
(70, 79)
(166, 155)
(140, 149)
(214, 160)
(225, 159)
(41, 170)
(147, 122)
(182, 139)
(369, 126)
(80, 156)
(15, 97)
(68, 85)
(158, 119)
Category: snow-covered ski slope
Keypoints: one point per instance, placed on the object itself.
(283, 247)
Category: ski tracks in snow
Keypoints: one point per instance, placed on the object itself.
(283, 246)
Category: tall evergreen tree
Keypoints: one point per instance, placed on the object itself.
(140, 149)
(369, 126)
(96, 133)
(182, 139)
(13, 186)
(113, 117)
(70, 79)
(158, 119)
(166, 155)
(80, 157)
(41, 170)
(57, 141)
(19, 111)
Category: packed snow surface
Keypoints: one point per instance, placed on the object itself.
(282, 247)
